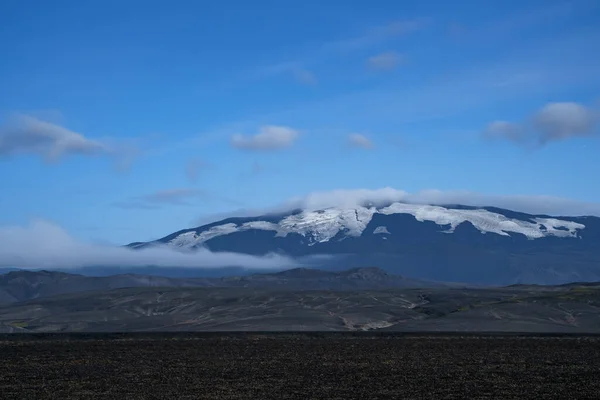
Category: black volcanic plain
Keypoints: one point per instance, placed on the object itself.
(298, 366)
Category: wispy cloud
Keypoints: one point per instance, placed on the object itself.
(45, 245)
(294, 69)
(193, 168)
(254, 170)
(541, 68)
(554, 122)
(301, 68)
(360, 141)
(503, 130)
(28, 135)
(378, 34)
(385, 61)
(173, 197)
(179, 196)
(455, 92)
(305, 76)
(268, 138)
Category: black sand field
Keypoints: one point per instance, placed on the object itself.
(298, 366)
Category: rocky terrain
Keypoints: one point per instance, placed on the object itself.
(297, 366)
(568, 308)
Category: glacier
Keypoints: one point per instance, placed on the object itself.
(320, 226)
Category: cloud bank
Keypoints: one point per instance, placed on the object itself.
(529, 204)
(553, 122)
(46, 245)
(349, 198)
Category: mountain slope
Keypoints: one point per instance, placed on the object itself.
(452, 243)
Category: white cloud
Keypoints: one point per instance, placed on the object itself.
(529, 204)
(46, 245)
(269, 138)
(553, 122)
(385, 61)
(29, 135)
(556, 121)
(348, 198)
(360, 141)
(459, 92)
(535, 71)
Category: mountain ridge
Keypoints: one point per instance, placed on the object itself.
(479, 245)
(26, 285)
(564, 222)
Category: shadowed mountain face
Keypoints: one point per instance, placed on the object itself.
(25, 285)
(453, 243)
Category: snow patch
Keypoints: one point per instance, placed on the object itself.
(483, 220)
(323, 225)
(381, 229)
(552, 225)
(190, 239)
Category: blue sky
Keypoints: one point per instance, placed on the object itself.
(124, 121)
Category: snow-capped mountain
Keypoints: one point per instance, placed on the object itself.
(323, 225)
(457, 243)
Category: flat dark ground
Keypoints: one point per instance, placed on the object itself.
(298, 366)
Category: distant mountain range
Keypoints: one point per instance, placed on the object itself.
(18, 286)
(451, 243)
(294, 300)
